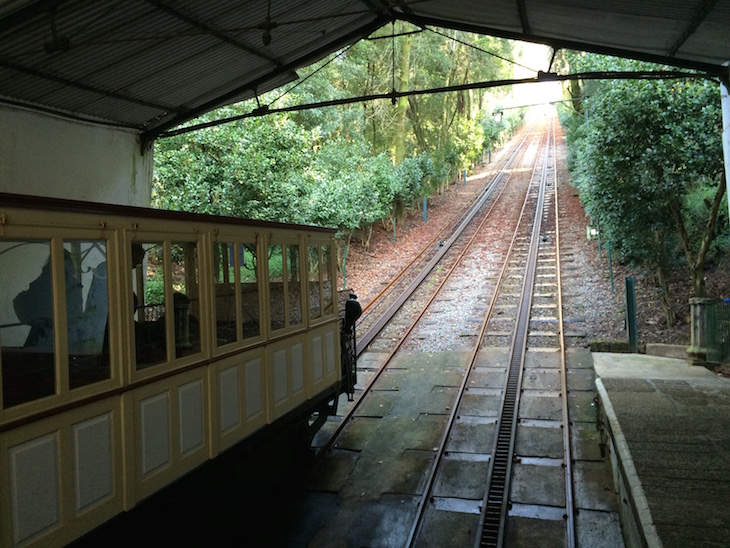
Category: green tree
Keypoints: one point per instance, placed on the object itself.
(247, 169)
(642, 154)
(347, 166)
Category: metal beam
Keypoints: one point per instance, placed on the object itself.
(700, 16)
(317, 54)
(394, 95)
(725, 102)
(78, 85)
(557, 43)
(23, 15)
(524, 21)
(213, 32)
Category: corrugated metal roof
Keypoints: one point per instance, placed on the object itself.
(151, 64)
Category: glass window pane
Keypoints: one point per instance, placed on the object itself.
(26, 321)
(315, 305)
(87, 311)
(276, 287)
(294, 288)
(225, 293)
(149, 304)
(249, 291)
(186, 297)
(326, 274)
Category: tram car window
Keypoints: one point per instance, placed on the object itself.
(186, 298)
(320, 281)
(26, 321)
(285, 292)
(137, 344)
(148, 280)
(315, 287)
(87, 311)
(236, 292)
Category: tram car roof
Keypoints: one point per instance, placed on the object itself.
(9, 200)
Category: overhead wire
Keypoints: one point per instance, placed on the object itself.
(393, 95)
(474, 46)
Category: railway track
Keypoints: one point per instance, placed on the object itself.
(520, 285)
(491, 441)
(390, 300)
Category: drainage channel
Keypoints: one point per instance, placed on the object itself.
(494, 506)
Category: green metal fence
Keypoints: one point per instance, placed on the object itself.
(718, 332)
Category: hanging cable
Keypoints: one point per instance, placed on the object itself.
(392, 26)
(480, 49)
(300, 82)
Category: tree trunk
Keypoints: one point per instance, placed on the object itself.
(369, 231)
(402, 105)
(663, 287)
(697, 264)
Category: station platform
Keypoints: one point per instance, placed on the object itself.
(669, 428)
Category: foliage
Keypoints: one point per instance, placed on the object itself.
(247, 169)
(646, 158)
(347, 166)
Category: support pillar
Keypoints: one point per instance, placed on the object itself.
(697, 352)
(725, 100)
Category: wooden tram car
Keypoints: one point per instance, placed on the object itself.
(137, 344)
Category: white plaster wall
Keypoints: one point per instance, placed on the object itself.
(45, 155)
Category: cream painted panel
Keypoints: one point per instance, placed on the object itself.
(317, 365)
(297, 367)
(34, 486)
(281, 386)
(93, 460)
(155, 425)
(190, 398)
(230, 408)
(254, 388)
(329, 343)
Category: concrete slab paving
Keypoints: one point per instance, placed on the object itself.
(539, 440)
(670, 428)
(443, 529)
(460, 478)
(378, 405)
(579, 358)
(488, 378)
(472, 435)
(333, 470)
(376, 524)
(585, 441)
(535, 358)
(541, 379)
(540, 404)
(481, 405)
(530, 533)
(594, 486)
(581, 406)
(580, 379)
(492, 357)
(596, 528)
(538, 484)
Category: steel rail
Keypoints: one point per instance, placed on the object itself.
(441, 452)
(567, 455)
(491, 531)
(429, 246)
(378, 326)
(345, 420)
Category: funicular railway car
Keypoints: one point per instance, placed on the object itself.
(137, 344)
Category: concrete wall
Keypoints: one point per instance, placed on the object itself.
(45, 155)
